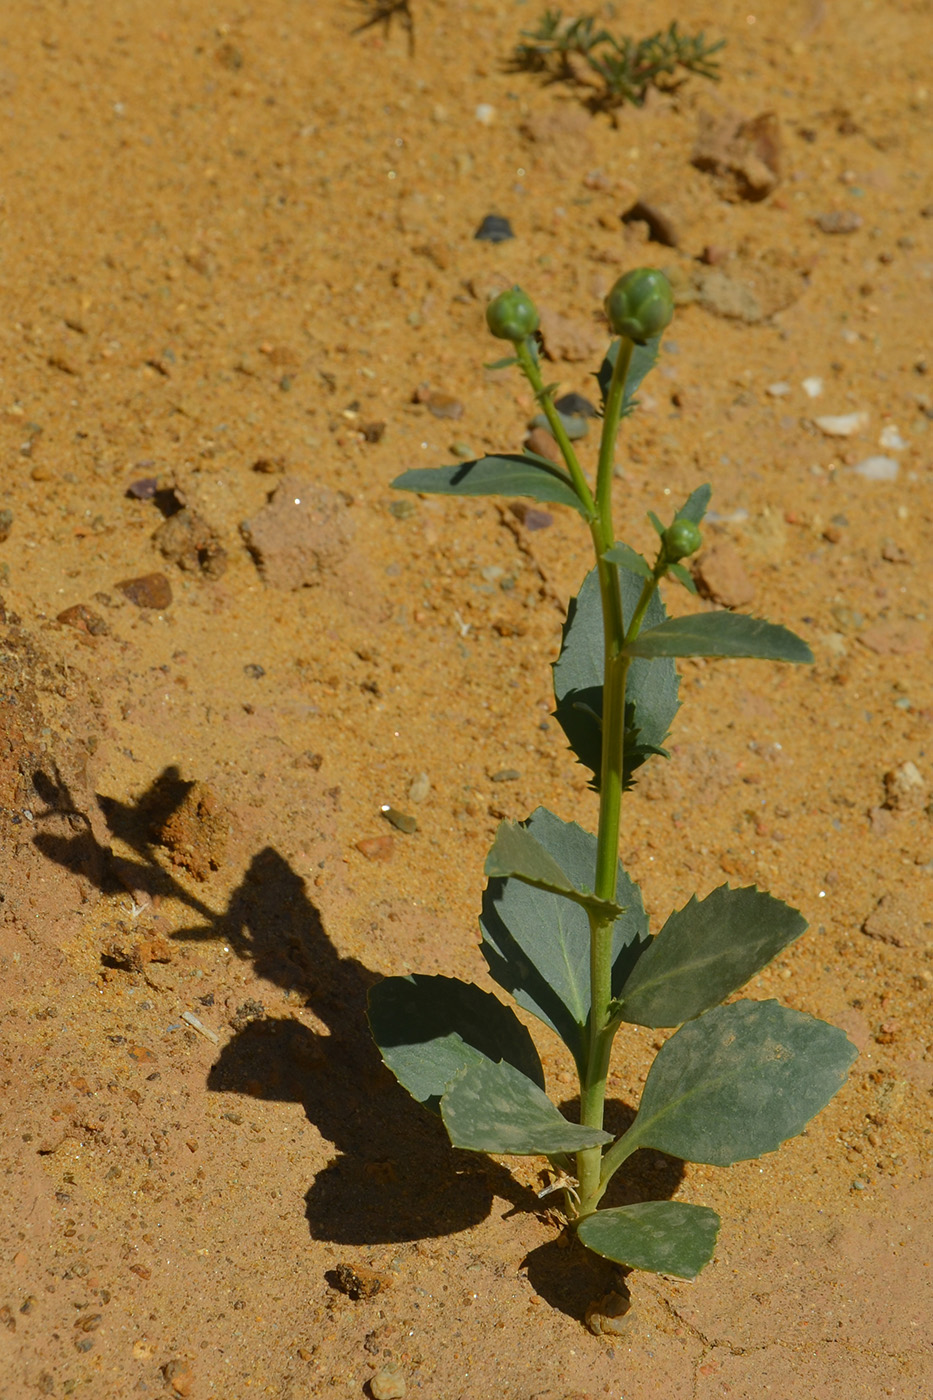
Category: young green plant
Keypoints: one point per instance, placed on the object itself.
(564, 927)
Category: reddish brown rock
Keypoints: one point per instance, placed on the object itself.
(720, 576)
(300, 536)
(376, 847)
(539, 440)
(84, 619)
(148, 591)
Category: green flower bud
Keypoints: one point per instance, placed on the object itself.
(512, 315)
(640, 305)
(680, 539)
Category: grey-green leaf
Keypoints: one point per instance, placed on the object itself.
(738, 1082)
(516, 474)
(644, 358)
(683, 576)
(720, 633)
(537, 943)
(663, 1237)
(704, 953)
(630, 559)
(516, 852)
(495, 1108)
(429, 1029)
(651, 693)
(695, 506)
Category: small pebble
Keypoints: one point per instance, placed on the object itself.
(539, 440)
(376, 847)
(575, 426)
(254, 670)
(878, 469)
(530, 516)
(891, 439)
(84, 619)
(485, 114)
(839, 221)
(610, 1315)
(494, 229)
(444, 406)
(577, 405)
(779, 390)
(400, 820)
(388, 1383)
(842, 424)
(505, 775)
(812, 387)
(419, 788)
(148, 591)
(358, 1281)
(144, 489)
(463, 450)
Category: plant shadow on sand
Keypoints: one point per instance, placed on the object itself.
(369, 1193)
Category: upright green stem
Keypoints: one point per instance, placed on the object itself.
(599, 1030)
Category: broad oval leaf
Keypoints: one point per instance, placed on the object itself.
(663, 1237)
(720, 633)
(429, 1029)
(651, 692)
(704, 952)
(738, 1082)
(494, 1108)
(515, 474)
(537, 943)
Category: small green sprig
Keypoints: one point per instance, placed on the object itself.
(565, 931)
(626, 67)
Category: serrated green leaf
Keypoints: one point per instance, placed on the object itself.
(495, 1108)
(695, 506)
(738, 1082)
(505, 363)
(516, 474)
(537, 944)
(630, 559)
(704, 953)
(721, 633)
(644, 358)
(651, 692)
(515, 852)
(662, 1237)
(429, 1029)
(683, 576)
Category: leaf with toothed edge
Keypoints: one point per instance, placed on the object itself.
(651, 693)
(706, 951)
